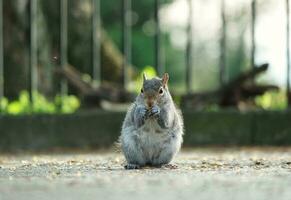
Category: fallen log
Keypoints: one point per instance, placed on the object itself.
(232, 93)
(91, 96)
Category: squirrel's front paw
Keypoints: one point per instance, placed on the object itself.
(141, 115)
(155, 111)
(143, 112)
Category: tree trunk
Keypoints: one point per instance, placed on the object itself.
(16, 47)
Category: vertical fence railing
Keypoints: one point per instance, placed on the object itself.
(222, 58)
(1, 52)
(96, 42)
(253, 32)
(126, 43)
(126, 39)
(33, 75)
(64, 41)
(189, 49)
(288, 52)
(158, 61)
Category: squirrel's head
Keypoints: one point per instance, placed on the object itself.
(155, 91)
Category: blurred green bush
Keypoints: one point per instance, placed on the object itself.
(272, 100)
(40, 104)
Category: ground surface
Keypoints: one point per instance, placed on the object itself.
(232, 173)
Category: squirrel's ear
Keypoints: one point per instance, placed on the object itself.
(165, 79)
(144, 76)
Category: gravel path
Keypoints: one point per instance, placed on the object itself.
(207, 173)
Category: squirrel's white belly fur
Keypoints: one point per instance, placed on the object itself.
(156, 142)
(152, 138)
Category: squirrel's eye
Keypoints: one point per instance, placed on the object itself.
(161, 91)
(141, 90)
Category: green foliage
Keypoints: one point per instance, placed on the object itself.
(272, 100)
(212, 108)
(67, 104)
(142, 46)
(60, 104)
(3, 104)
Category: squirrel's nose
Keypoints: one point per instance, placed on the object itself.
(150, 103)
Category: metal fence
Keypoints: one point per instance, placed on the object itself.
(126, 43)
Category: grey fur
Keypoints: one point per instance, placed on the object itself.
(151, 135)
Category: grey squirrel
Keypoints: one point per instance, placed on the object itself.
(153, 127)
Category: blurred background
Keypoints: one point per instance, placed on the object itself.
(69, 69)
(74, 57)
